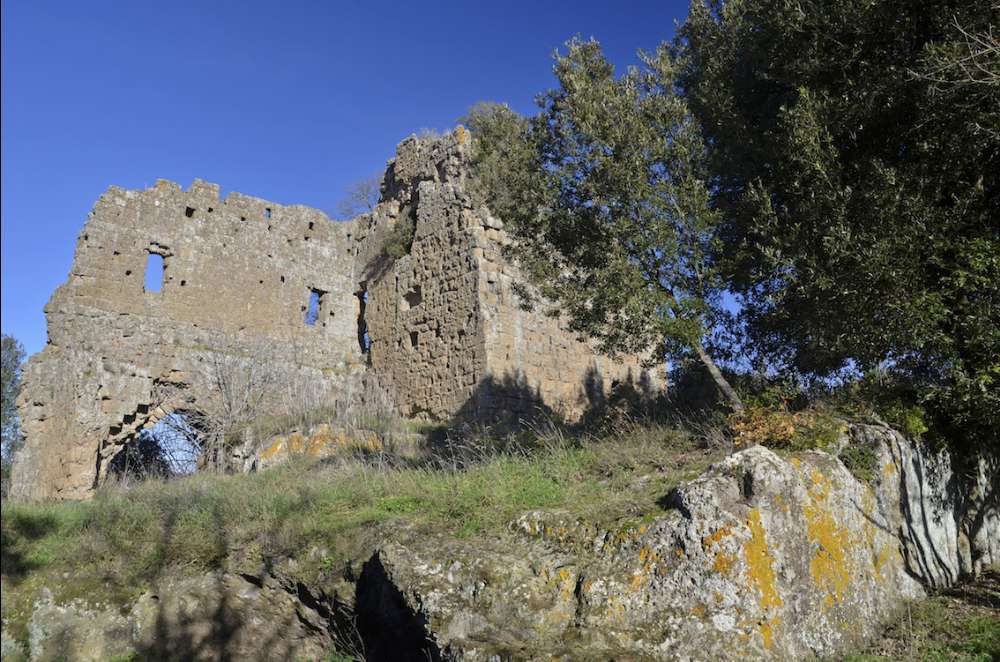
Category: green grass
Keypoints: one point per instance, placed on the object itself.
(961, 625)
(115, 545)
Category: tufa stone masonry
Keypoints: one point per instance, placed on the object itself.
(439, 334)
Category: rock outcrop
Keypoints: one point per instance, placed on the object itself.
(759, 558)
(438, 333)
(218, 616)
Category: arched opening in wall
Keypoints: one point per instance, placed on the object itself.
(155, 273)
(169, 449)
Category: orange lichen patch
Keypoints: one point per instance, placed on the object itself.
(276, 447)
(323, 441)
(699, 611)
(566, 581)
(723, 562)
(461, 134)
(650, 560)
(889, 469)
(829, 565)
(760, 568)
(714, 538)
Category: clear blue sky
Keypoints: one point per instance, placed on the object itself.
(288, 101)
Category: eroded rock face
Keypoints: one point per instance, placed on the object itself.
(217, 616)
(437, 333)
(760, 558)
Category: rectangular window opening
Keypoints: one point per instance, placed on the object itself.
(155, 273)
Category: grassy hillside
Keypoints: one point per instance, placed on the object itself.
(323, 516)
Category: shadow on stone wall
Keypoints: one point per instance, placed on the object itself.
(510, 402)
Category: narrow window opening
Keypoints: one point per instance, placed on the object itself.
(210, 210)
(364, 340)
(310, 225)
(315, 301)
(267, 213)
(155, 273)
(183, 283)
(189, 211)
(413, 339)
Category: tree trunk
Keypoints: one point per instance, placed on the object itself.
(718, 377)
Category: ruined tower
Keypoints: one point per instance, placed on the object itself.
(440, 331)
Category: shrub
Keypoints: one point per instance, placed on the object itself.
(782, 429)
(399, 240)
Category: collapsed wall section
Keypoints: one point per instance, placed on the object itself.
(451, 338)
(422, 310)
(240, 277)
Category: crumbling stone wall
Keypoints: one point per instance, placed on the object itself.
(449, 335)
(439, 333)
(238, 277)
(422, 311)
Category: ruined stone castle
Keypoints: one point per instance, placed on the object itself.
(439, 333)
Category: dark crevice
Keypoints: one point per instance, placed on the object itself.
(390, 629)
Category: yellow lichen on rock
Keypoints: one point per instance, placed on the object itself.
(760, 569)
(830, 563)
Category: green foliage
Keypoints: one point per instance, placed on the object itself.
(859, 179)
(959, 627)
(872, 397)
(399, 239)
(11, 359)
(605, 192)
(861, 460)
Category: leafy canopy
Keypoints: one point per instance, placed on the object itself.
(605, 191)
(855, 157)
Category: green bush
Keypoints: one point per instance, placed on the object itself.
(399, 240)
